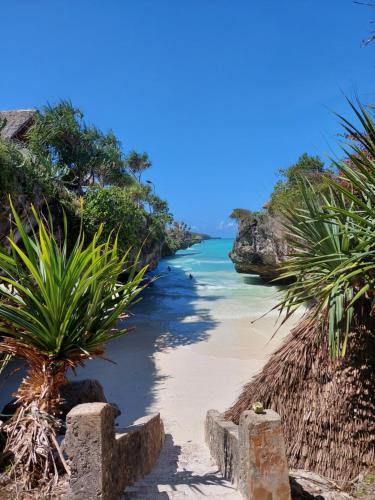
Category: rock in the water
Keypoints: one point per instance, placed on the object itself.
(259, 247)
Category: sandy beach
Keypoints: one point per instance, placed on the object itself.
(182, 382)
(194, 345)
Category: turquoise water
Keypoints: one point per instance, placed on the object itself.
(226, 294)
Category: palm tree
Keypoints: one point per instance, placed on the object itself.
(58, 309)
(322, 379)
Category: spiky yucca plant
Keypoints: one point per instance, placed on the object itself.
(334, 242)
(322, 379)
(57, 310)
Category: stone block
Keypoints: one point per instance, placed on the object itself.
(263, 463)
(138, 448)
(222, 441)
(103, 463)
(89, 444)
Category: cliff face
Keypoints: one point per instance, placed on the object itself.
(259, 247)
(180, 241)
(151, 254)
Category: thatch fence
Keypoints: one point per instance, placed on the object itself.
(327, 407)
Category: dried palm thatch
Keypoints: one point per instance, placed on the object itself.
(327, 406)
(322, 379)
(16, 122)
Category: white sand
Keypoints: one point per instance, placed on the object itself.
(185, 381)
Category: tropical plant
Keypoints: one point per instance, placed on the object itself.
(63, 158)
(60, 135)
(322, 379)
(117, 211)
(286, 193)
(57, 310)
(334, 240)
(137, 163)
(20, 172)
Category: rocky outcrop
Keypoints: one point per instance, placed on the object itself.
(151, 254)
(166, 244)
(259, 247)
(175, 242)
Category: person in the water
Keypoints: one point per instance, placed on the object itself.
(190, 276)
(169, 269)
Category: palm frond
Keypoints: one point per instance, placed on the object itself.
(63, 305)
(333, 237)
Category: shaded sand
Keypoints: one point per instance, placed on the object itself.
(178, 368)
(194, 345)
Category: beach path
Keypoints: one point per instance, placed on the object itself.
(183, 472)
(193, 348)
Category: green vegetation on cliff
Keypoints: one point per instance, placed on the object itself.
(60, 159)
(287, 194)
(180, 236)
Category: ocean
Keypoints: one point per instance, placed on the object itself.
(226, 293)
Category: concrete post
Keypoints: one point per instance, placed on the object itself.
(263, 464)
(89, 444)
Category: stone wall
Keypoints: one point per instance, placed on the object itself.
(252, 454)
(103, 463)
(222, 440)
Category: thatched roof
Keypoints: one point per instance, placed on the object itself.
(16, 122)
(327, 408)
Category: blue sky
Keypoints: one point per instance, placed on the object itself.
(220, 93)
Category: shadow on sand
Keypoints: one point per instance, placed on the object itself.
(170, 314)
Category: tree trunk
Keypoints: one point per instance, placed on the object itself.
(31, 432)
(41, 387)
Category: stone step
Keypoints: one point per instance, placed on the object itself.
(179, 480)
(183, 472)
(182, 492)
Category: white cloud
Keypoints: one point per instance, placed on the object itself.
(226, 225)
